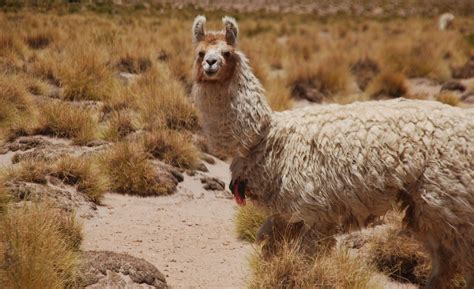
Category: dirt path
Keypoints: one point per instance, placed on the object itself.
(188, 236)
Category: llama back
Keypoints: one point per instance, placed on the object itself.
(360, 156)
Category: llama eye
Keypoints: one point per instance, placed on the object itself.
(201, 54)
(226, 54)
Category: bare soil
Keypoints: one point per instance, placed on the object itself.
(188, 236)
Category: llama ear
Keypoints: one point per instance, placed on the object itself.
(231, 30)
(198, 28)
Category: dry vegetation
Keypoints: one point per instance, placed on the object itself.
(83, 172)
(247, 221)
(131, 172)
(39, 248)
(291, 269)
(123, 77)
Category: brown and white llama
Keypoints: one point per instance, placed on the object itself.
(334, 165)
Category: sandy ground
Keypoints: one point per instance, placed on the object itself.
(188, 236)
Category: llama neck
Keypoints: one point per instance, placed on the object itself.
(235, 114)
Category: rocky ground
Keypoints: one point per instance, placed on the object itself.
(189, 235)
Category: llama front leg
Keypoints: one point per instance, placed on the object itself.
(275, 231)
(265, 231)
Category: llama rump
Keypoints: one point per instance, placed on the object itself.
(334, 165)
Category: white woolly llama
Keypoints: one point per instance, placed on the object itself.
(445, 21)
(342, 164)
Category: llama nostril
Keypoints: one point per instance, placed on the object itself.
(211, 61)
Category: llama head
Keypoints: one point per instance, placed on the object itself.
(215, 55)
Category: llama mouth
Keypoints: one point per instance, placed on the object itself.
(210, 72)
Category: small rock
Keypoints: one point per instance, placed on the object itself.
(177, 174)
(191, 173)
(468, 98)
(307, 91)
(465, 71)
(212, 184)
(96, 143)
(26, 143)
(224, 195)
(174, 172)
(125, 269)
(128, 78)
(202, 167)
(208, 159)
(453, 86)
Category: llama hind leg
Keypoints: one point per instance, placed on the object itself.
(441, 269)
(443, 264)
(470, 281)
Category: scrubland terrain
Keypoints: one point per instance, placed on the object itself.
(101, 146)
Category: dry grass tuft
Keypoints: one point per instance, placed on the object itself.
(17, 109)
(35, 86)
(402, 258)
(5, 197)
(30, 170)
(39, 40)
(131, 172)
(71, 229)
(36, 250)
(448, 97)
(278, 95)
(248, 220)
(85, 75)
(172, 147)
(364, 70)
(417, 57)
(162, 102)
(11, 46)
(291, 269)
(82, 172)
(120, 124)
(134, 64)
(399, 256)
(329, 77)
(387, 85)
(333, 75)
(65, 120)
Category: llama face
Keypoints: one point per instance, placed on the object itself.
(215, 58)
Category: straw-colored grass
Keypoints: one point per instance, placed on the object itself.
(64, 120)
(82, 172)
(38, 248)
(172, 147)
(131, 172)
(162, 102)
(387, 85)
(336, 268)
(448, 97)
(17, 108)
(248, 220)
(402, 258)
